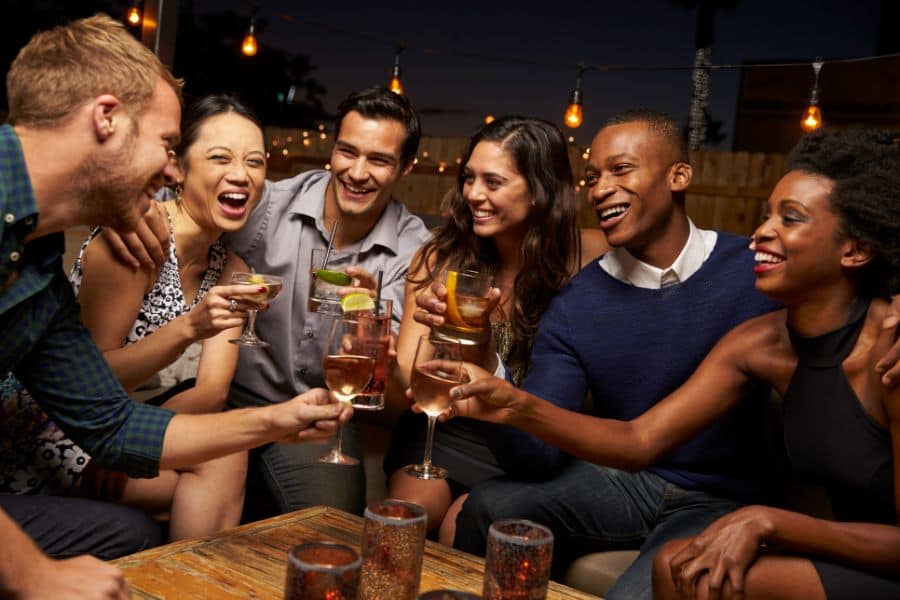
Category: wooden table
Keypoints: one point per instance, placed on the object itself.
(250, 561)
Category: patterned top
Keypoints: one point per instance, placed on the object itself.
(43, 342)
(40, 458)
(165, 301)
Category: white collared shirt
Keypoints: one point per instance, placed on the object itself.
(619, 263)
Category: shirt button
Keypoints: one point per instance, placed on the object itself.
(9, 217)
(304, 371)
(14, 256)
(29, 220)
(310, 334)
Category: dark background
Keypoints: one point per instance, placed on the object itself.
(328, 49)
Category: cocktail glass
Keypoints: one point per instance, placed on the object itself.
(348, 365)
(272, 285)
(437, 367)
(467, 317)
(372, 398)
(326, 281)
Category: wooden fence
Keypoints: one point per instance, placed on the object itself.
(728, 192)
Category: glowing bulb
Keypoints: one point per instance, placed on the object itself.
(306, 142)
(323, 136)
(442, 167)
(134, 16)
(812, 118)
(327, 166)
(574, 116)
(489, 119)
(396, 86)
(284, 152)
(249, 46)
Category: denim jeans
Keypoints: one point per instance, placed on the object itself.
(591, 508)
(286, 477)
(64, 527)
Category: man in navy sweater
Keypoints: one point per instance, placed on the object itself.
(630, 329)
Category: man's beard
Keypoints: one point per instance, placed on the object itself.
(111, 187)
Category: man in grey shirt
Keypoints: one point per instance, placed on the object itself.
(375, 143)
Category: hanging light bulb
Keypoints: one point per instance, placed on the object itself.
(134, 16)
(574, 115)
(396, 85)
(812, 117)
(488, 119)
(249, 46)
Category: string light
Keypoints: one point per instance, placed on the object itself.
(489, 119)
(134, 15)
(812, 118)
(249, 46)
(396, 85)
(574, 114)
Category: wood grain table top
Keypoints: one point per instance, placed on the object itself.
(250, 561)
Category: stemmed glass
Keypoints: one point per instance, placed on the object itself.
(437, 368)
(272, 285)
(348, 365)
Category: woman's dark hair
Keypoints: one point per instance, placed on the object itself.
(548, 253)
(864, 165)
(205, 108)
(381, 103)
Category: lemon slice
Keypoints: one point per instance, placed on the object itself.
(453, 315)
(335, 277)
(255, 279)
(356, 302)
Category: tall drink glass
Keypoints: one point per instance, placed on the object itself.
(436, 369)
(467, 318)
(372, 398)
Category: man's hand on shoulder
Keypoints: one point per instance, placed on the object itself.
(147, 245)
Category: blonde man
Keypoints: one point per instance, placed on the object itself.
(93, 117)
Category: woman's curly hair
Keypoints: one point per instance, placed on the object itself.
(864, 165)
(549, 248)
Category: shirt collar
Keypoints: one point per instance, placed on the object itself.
(17, 201)
(620, 263)
(312, 205)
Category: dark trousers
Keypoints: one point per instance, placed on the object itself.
(591, 508)
(286, 477)
(63, 527)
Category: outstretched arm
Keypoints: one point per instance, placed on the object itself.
(711, 391)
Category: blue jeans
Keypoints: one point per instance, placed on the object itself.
(286, 477)
(591, 508)
(64, 527)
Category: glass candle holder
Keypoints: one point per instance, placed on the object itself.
(322, 571)
(517, 564)
(393, 547)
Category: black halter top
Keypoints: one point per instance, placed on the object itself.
(829, 436)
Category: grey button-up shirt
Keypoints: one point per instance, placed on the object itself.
(277, 239)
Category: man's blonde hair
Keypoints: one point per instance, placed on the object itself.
(61, 69)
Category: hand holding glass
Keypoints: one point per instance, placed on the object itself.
(437, 368)
(348, 365)
(272, 285)
(326, 280)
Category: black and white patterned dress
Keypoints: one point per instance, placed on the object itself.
(36, 457)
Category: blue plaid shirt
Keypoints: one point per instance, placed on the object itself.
(43, 342)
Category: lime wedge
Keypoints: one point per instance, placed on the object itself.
(357, 301)
(335, 277)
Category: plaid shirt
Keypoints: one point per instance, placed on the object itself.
(43, 342)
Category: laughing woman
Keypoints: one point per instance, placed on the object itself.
(513, 214)
(155, 324)
(830, 252)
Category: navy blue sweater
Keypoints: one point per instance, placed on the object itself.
(630, 347)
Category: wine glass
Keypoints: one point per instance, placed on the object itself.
(348, 365)
(437, 368)
(272, 285)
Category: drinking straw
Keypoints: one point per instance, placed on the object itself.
(330, 244)
(378, 294)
